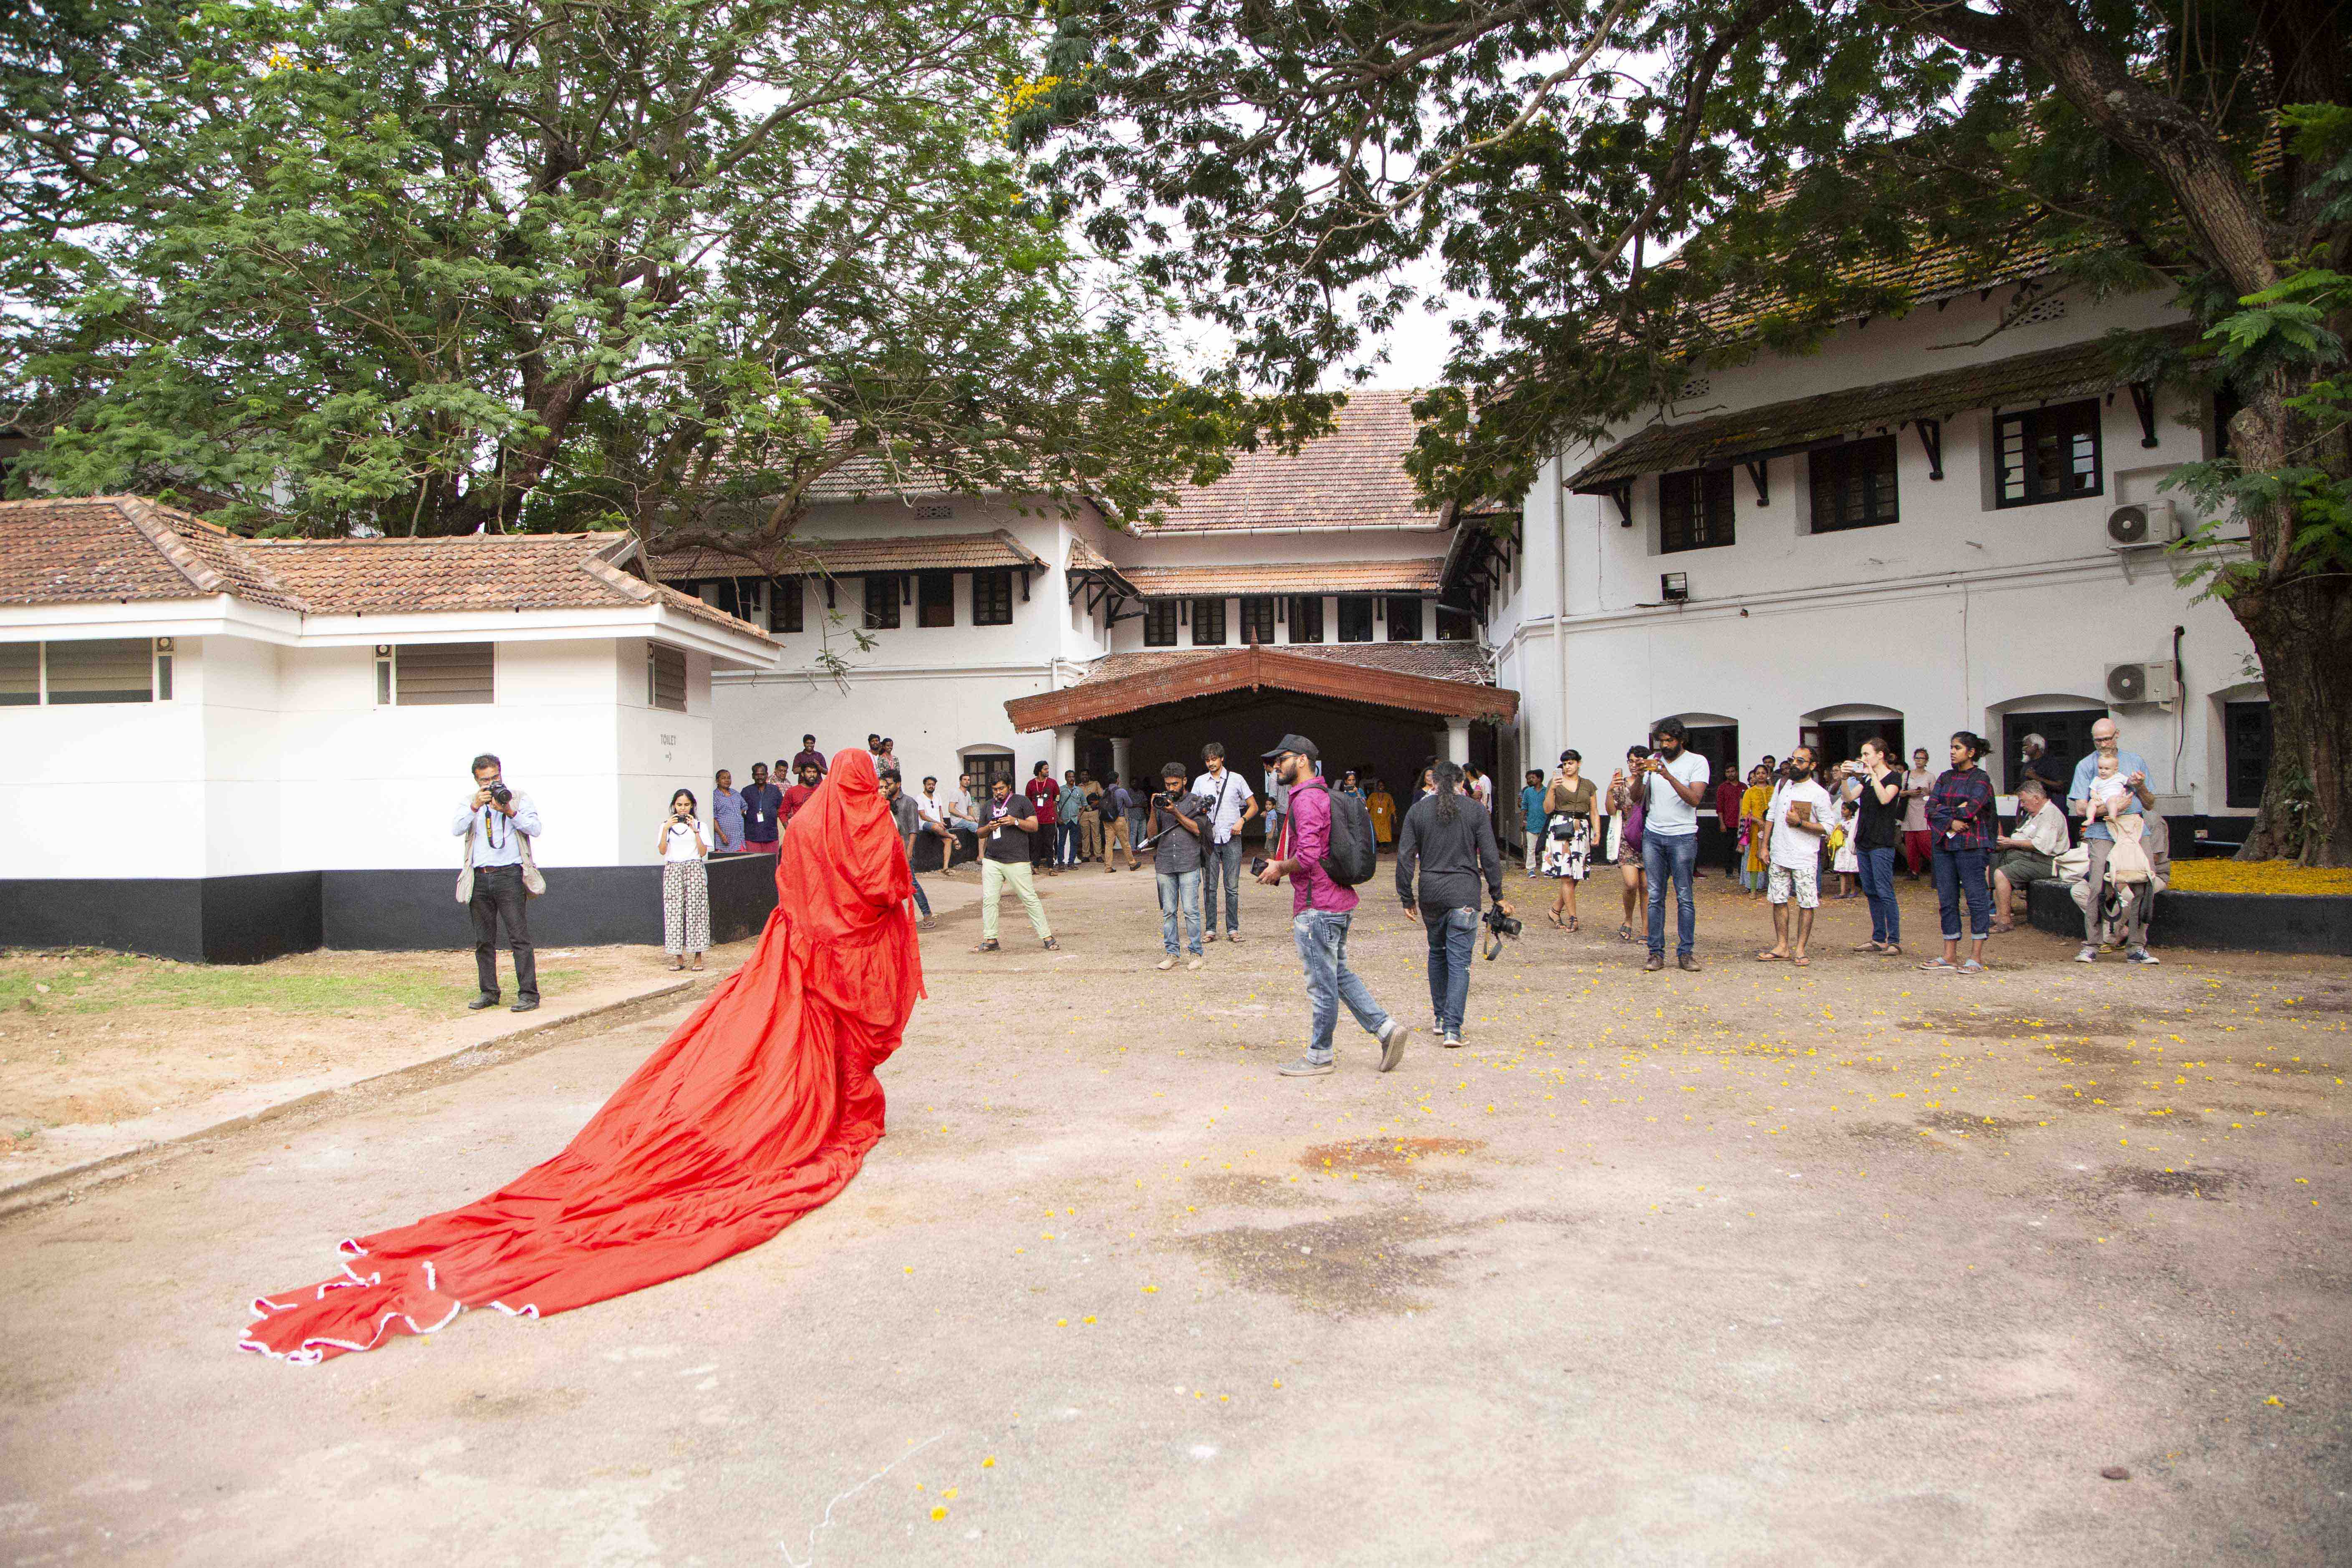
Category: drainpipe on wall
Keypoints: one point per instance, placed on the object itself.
(1559, 604)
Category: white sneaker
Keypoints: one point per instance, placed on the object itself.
(2141, 955)
(1393, 1035)
(1166, 963)
(2088, 955)
(1452, 1039)
(1198, 962)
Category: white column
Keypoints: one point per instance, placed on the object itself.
(1457, 740)
(1118, 755)
(1066, 750)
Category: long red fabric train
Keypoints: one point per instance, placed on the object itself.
(759, 1109)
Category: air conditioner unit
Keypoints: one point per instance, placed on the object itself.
(2150, 682)
(2141, 524)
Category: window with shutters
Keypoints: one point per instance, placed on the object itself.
(20, 674)
(1159, 624)
(881, 600)
(784, 609)
(1694, 510)
(1355, 617)
(1257, 619)
(991, 597)
(935, 598)
(1853, 485)
(666, 677)
(439, 675)
(1456, 625)
(1405, 618)
(1208, 623)
(110, 670)
(2047, 454)
(1306, 618)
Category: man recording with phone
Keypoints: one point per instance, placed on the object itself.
(498, 823)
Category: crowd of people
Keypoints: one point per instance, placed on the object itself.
(1790, 827)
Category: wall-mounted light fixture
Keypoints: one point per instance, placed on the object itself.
(1674, 587)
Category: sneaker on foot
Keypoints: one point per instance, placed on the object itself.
(2141, 955)
(1305, 1066)
(928, 922)
(1393, 1035)
(1453, 1040)
(1166, 963)
(1198, 962)
(2088, 955)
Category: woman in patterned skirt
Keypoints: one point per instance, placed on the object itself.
(686, 884)
(1571, 820)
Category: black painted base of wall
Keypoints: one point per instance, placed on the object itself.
(246, 919)
(2245, 922)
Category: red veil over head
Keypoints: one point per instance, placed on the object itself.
(759, 1109)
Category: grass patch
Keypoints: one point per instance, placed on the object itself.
(308, 983)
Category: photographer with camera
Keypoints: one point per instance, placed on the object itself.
(1452, 842)
(684, 844)
(498, 824)
(1178, 818)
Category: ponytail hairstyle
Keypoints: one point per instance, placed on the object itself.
(1449, 779)
(1977, 744)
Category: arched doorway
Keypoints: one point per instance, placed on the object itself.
(1836, 733)
(2064, 721)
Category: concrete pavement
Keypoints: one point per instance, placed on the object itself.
(1852, 1265)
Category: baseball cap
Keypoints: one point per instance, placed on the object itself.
(1299, 744)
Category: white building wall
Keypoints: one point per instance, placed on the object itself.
(1952, 616)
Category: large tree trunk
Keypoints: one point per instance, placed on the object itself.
(2302, 632)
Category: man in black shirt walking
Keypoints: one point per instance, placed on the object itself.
(1004, 835)
(1452, 840)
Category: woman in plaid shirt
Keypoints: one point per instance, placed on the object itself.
(1961, 821)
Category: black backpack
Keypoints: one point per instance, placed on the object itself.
(1351, 856)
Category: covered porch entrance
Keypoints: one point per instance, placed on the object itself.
(1386, 712)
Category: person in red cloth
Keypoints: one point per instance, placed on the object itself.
(759, 1109)
(800, 794)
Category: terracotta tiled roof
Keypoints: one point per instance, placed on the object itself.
(849, 557)
(1420, 576)
(1353, 478)
(1085, 557)
(1432, 660)
(1454, 684)
(1932, 272)
(2078, 370)
(125, 547)
(100, 548)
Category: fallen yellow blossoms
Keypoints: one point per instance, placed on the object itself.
(2257, 876)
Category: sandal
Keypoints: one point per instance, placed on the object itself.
(1625, 933)
(1573, 923)
(1802, 962)
(1769, 956)
(697, 965)
(1553, 915)
(2002, 927)
(1892, 949)
(1939, 966)
(1870, 947)
(676, 965)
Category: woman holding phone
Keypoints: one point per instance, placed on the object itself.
(683, 846)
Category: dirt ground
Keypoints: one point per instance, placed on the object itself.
(89, 1037)
(1852, 1265)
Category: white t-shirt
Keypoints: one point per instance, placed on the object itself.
(930, 807)
(1669, 815)
(1793, 847)
(1484, 789)
(677, 841)
(1232, 797)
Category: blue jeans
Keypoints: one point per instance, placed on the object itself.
(1134, 830)
(1677, 857)
(1878, 886)
(1322, 938)
(922, 903)
(1065, 843)
(1222, 860)
(1959, 872)
(1179, 890)
(1452, 942)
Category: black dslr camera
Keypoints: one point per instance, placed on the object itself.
(1258, 865)
(500, 793)
(1499, 926)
